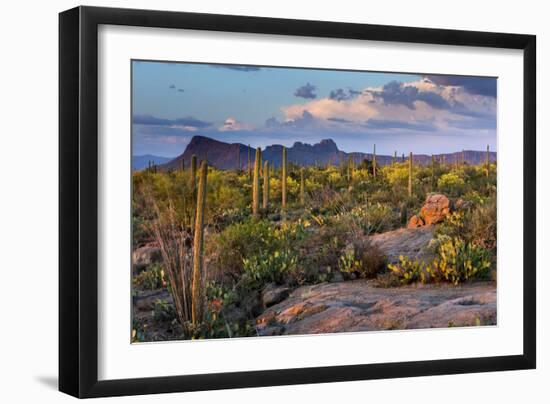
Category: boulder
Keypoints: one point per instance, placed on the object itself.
(144, 256)
(412, 243)
(435, 209)
(414, 222)
(273, 294)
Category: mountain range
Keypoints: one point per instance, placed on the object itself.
(141, 162)
(232, 155)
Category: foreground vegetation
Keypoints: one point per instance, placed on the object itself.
(224, 236)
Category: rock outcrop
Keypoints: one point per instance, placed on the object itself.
(411, 243)
(358, 306)
(144, 256)
(435, 209)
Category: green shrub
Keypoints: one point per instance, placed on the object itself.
(451, 183)
(459, 261)
(151, 278)
(266, 266)
(363, 259)
(409, 271)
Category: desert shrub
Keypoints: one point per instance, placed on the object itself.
(266, 267)
(238, 241)
(387, 279)
(451, 183)
(482, 229)
(163, 311)
(458, 261)
(409, 271)
(363, 259)
(151, 278)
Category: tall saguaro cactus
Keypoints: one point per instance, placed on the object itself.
(265, 204)
(198, 243)
(194, 172)
(410, 174)
(182, 164)
(463, 157)
(256, 184)
(283, 179)
(350, 167)
(433, 171)
(374, 161)
(239, 158)
(394, 160)
(487, 163)
(249, 167)
(302, 187)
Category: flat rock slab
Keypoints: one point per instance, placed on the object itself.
(411, 243)
(359, 306)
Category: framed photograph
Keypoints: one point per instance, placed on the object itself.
(251, 201)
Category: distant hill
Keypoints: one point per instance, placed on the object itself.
(141, 162)
(230, 155)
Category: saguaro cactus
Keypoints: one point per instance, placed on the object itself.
(350, 167)
(403, 157)
(410, 174)
(463, 157)
(239, 158)
(283, 179)
(266, 185)
(249, 167)
(198, 242)
(182, 164)
(256, 184)
(433, 171)
(487, 162)
(302, 187)
(394, 160)
(374, 161)
(194, 171)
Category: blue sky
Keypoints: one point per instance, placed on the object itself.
(172, 102)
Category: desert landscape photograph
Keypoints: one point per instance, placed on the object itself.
(280, 201)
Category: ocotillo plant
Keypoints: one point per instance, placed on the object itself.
(283, 179)
(265, 204)
(374, 162)
(487, 166)
(198, 242)
(256, 184)
(302, 187)
(410, 174)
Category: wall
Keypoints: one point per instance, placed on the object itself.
(28, 225)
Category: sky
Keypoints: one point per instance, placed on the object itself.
(261, 106)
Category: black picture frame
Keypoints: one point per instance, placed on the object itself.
(78, 201)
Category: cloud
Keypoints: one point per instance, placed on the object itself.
(486, 86)
(231, 124)
(341, 95)
(179, 122)
(305, 120)
(239, 68)
(473, 124)
(181, 90)
(307, 91)
(395, 93)
(172, 86)
(422, 126)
